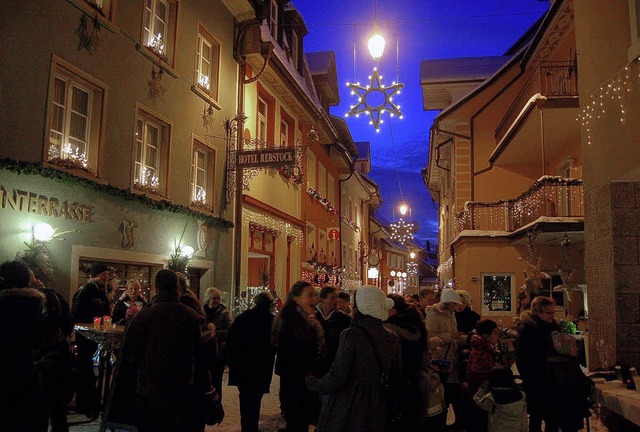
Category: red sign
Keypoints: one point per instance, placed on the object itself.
(333, 234)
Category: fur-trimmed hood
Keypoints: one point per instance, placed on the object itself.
(528, 318)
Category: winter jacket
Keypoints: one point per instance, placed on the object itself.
(221, 318)
(122, 305)
(480, 363)
(534, 345)
(88, 302)
(357, 401)
(467, 320)
(441, 324)
(333, 325)
(160, 346)
(249, 352)
(22, 405)
(510, 414)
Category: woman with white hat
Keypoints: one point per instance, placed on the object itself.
(442, 330)
(368, 353)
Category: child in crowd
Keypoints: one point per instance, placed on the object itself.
(504, 401)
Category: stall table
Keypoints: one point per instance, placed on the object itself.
(615, 396)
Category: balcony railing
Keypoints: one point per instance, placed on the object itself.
(549, 196)
(552, 80)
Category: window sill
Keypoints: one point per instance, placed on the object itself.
(76, 172)
(202, 209)
(93, 12)
(155, 59)
(206, 97)
(156, 196)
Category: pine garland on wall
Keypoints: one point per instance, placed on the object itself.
(31, 168)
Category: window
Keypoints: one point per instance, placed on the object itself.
(497, 289)
(312, 251)
(322, 180)
(273, 19)
(104, 6)
(151, 150)
(311, 170)
(295, 43)
(202, 174)
(159, 23)
(207, 62)
(284, 134)
(261, 128)
(75, 117)
(322, 247)
(634, 22)
(331, 190)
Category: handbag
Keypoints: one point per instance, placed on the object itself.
(212, 406)
(442, 365)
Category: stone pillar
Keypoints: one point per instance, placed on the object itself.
(612, 243)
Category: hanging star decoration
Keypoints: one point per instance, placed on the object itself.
(402, 232)
(375, 89)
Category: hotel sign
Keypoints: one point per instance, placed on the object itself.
(267, 158)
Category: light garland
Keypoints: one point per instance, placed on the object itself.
(364, 106)
(274, 224)
(351, 223)
(401, 231)
(507, 215)
(322, 200)
(616, 89)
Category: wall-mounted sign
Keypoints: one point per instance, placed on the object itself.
(32, 202)
(333, 233)
(267, 158)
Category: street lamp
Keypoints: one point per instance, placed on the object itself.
(412, 255)
(376, 45)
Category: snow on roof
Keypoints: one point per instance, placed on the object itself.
(460, 69)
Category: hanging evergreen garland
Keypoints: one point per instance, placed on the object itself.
(31, 168)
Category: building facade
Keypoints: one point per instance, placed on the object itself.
(506, 168)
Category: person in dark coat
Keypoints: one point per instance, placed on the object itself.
(333, 323)
(299, 341)
(219, 316)
(466, 318)
(408, 324)
(89, 301)
(250, 357)
(22, 404)
(159, 355)
(53, 358)
(534, 345)
(357, 398)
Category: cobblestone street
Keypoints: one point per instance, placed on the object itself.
(270, 418)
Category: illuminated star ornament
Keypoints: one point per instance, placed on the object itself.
(375, 99)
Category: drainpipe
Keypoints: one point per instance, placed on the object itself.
(544, 170)
(352, 168)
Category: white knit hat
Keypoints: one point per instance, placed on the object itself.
(450, 296)
(372, 301)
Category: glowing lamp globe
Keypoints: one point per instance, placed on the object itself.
(412, 255)
(392, 273)
(43, 231)
(372, 273)
(403, 209)
(187, 251)
(376, 46)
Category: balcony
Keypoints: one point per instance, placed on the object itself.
(550, 196)
(556, 82)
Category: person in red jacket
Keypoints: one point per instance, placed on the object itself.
(481, 362)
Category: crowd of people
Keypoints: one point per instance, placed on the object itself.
(362, 362)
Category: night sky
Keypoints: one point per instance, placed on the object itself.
(424, 30)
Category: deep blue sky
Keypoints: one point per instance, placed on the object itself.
(425, 30)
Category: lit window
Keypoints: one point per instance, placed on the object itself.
(207, 63)
(284, 133)
(202, 175)
(322, 180)
(150, 153)
(159, 27)
(262, 122)
(311, 170)
(75, 114)
(273, 19)
(497, 292)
